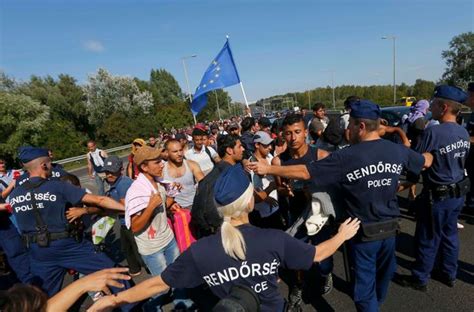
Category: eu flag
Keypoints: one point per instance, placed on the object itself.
(220, 74)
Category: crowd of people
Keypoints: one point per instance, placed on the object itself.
(220, 213)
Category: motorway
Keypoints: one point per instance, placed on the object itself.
(437, 298)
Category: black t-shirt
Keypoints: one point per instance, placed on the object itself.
(449, 144)
(266, 250)
(367, 176)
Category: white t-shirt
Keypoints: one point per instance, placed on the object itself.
(202, 158)
(157, 234)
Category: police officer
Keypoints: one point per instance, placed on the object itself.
(366, 176)
(444, 187)
(39, 205)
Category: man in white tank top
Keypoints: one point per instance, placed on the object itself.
(183, 171)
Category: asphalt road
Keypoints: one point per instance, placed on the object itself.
(438, 297)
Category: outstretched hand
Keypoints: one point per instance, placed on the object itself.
(260, 167)
(101, 280)
(349, 228)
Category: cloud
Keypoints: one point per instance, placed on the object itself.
(93, 46)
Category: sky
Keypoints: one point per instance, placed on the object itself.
(278, 46)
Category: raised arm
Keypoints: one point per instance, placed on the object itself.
(291, 172)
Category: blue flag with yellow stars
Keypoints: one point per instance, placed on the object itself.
(220, 74)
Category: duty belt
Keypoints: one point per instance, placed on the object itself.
(31, 237)
(446, 191)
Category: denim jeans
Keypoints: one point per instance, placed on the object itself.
(157, 263)
(100, 182)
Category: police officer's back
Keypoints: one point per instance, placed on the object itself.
(444, 188)
(39, 206)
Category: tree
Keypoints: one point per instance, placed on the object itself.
(165, 88)
(107, 94)
(210, 111)
(459, 60)
(423, 89)
(22, 120)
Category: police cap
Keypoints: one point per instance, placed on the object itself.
(365, 109)
(230, 185)
(29, 153)
(450, 93)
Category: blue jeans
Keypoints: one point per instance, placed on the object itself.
(157, 263)
(100, 184)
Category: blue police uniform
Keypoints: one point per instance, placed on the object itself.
(49, 264)
(366, 175)
(10, 240)
(436, 227)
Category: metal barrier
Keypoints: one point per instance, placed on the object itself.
(82, 157)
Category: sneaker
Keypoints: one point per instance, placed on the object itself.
(295, 299)
(460, 226)
(327, 285)
(409, 281)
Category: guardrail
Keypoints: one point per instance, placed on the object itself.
(82, 157)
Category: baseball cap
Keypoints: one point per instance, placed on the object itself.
(29, 153)
(113, 164)
(262, 137)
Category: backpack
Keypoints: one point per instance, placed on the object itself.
(333, 134)
(208, 152)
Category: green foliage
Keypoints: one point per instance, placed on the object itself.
(164, 88)
(210, 111)
(423, 89)
(459, 60)
(107, 94)
(22, 120)
(176, 116)
(60, 136)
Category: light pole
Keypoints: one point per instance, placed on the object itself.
(183, 59)
(394, 85)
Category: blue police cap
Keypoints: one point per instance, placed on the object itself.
(365, 109)
(450, 93)
(230, 185)
(29, 153)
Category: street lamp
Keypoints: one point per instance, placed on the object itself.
(394, 85)
(186, 75)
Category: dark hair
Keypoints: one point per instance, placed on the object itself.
(71, 178)
(167, 143)
(226, 141)
(291, 119)
(198, 132)
(370, 124)
(247, 123)
(264, 122)
(351, 99)
(22, 297)
(318, 106)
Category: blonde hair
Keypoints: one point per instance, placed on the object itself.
(232, 239)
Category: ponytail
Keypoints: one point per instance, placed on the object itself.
(232, 239)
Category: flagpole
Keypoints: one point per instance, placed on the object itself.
(217, 101)
(245, 98)
(194, 117)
